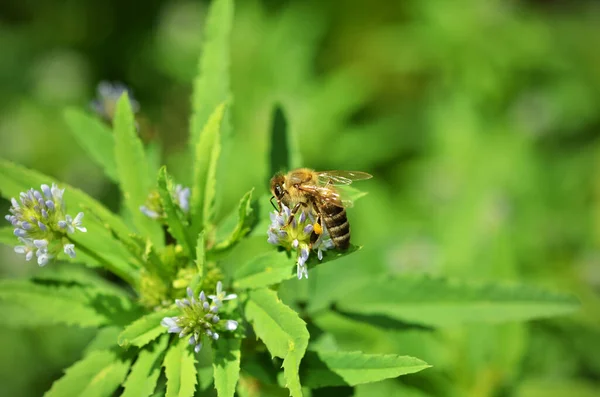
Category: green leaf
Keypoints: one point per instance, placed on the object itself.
(105, 339)
(98, 374)
(207, 151)
(144, 374)
(24, 303)
(211, 87)
(95, 138)
(145, 329)
(274, 267)
(226, 365)
(180, 370)
(281, 330)
(132, 170)
(335, 368)
(7, 236)
(285, 154)
(177, 224)
(440, 302)
(200, 256)
(228, 235)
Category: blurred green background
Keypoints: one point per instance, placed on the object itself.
(479, 120)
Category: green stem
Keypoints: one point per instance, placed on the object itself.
(130, 277)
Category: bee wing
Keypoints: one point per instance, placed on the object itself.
(327, 195)
(336, 177)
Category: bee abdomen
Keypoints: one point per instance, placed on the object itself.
(338, 227)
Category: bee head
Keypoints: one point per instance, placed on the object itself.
(278, 186)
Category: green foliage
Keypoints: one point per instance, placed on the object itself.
(27, 304)
(282, 331)
(439, 302)
(98, 374)
(484, 155)
(207, 152)
(211, 87)
(142, 379)
(180, 370)
(175, 221)
(95, 138)
(132, 170)
(226, 365)
(320, 369)
(233, 230)
(145, 329)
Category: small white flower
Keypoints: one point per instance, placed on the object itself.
(221, 295)
(69, 249)
(26, 249)
(71, 224)
(182, 197)
(149, 213)
(231, 325)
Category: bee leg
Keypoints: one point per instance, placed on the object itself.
(293, 213)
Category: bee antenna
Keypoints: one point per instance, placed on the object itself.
(271, 201)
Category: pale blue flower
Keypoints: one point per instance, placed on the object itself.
(41, 224)
(69, 249)
(199, 317)
(298, 236)
(71, 224)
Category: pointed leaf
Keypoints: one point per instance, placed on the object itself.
(334, 368)
(95, 138)
(274, 267)
(180, 370)
(226, 365)
(236, 226)
(285, 154)
(178, 226)
(207, 149)
(98, 374)
(281, 330)
(145, 329)
(24, 303)
(439, 301)
(144, 374)
(132, 170)
(211, 87)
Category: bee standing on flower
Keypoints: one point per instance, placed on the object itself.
(322, 222)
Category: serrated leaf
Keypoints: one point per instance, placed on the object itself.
(226, 365)
(200, 262)
(177, 225)
(31, 304)
(180, 370)
(67, 273)
(207, 149)
(132, 169)
(98, 374)
(145, 329)
(144, 374)
(236, 226)
(211, 87)
(95, 138)
(335, 368)
(281, 330)
(439, 301)
(274, 267)
(105, 339)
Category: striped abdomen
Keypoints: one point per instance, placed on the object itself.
(335, 220)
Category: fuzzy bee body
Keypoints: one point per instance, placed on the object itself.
(316, 191)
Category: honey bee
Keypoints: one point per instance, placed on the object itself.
(316, 191)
